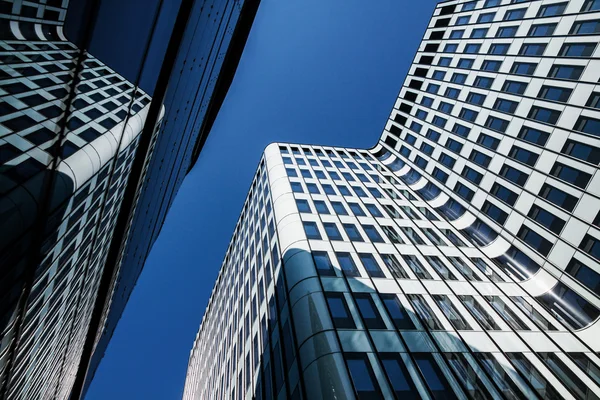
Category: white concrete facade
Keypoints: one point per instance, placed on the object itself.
(459, 258)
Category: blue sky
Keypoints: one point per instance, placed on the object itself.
(313, 71)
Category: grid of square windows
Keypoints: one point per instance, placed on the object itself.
(390, 232)
(563, 67)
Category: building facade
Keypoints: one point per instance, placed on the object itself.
(208, 53)
(458, 258)
(89, 167)
(69, 129)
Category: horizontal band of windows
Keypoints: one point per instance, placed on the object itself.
(543, 245)
(577, 150)
(509, 197)
(586, 124)
(518, 59)
(486, 18)
(544, 193)
(519, 92)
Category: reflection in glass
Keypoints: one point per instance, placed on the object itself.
(469, 377)
(425, 312)
(533, 376)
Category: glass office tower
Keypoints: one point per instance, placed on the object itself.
(69, 129)
(205, 58)
(458, 258)
(89, 167)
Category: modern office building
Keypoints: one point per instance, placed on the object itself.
(69, 128)
(212, 37)
(458, 258)
(87, 169)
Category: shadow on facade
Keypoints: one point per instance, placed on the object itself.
(306, 353)
(28, 212)
(322, 331)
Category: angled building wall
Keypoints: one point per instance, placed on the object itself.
(89, 169)
(205, 62)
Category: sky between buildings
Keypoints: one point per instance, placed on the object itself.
(314, 71)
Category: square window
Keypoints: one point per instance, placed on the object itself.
(303, 206)
(374, 210)
(312, 188)
(433, 88)
(347, 264)
(505, 105)
(472, 48)
(552, 10)
(457, 34)
(357, 209)
(507, 31)
(291, 172)
(483, 82)
(444, 61)
(340, 314)
(353, 233)
(305, 173)
(463, 20)
(491, 65)
(339, 208)
(555, 93)
(297, 187)
(395, 308)
(532, 49)
(469, 6)
(513, 15)
(328, 189)
(40, 136)
(375, 193)
(545, 115)
(332, 231)
(452, 93)
(585, 28)
(320, 174)
(514, 87)
(542, 30)
(585, 275)
(368, 311)
(321, 207)
(588, 125)
(571, 175)
(571, 72)
(450, 48)
(359, 191)
(499, 48)
(372, 234)
(465, 63)
(479, 33)
(8, 152)
(311, 230)
(487, 17)
(344, 190)
(577, 50)
(522, 68)
(458, 78)
(323, 263)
